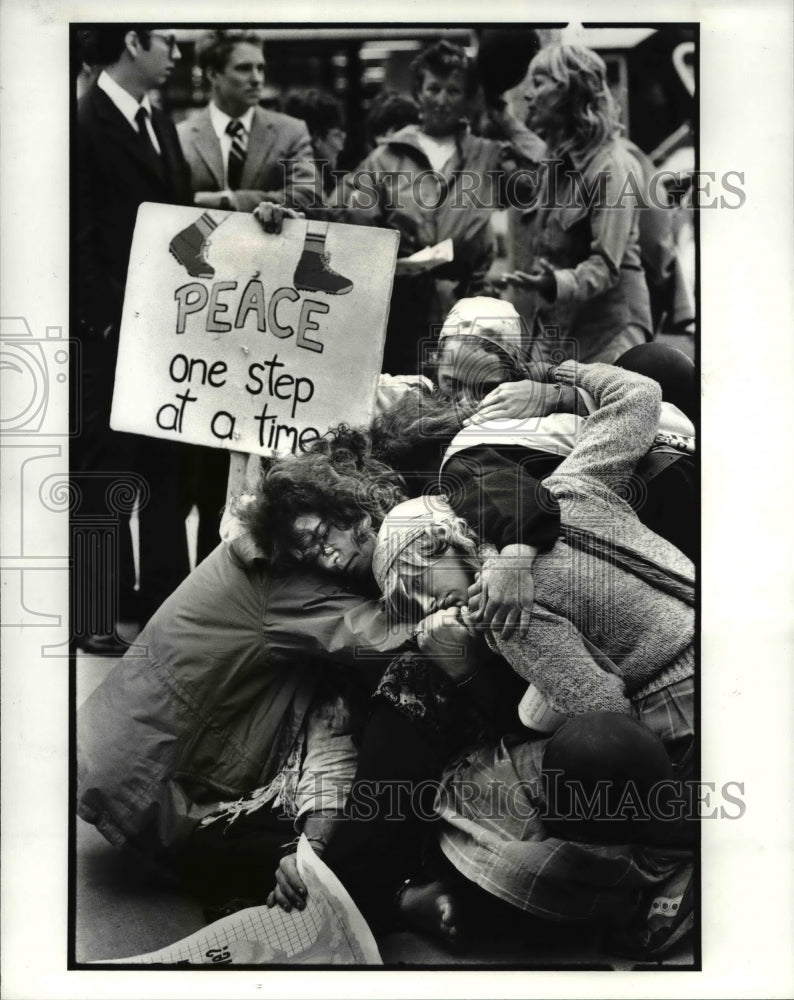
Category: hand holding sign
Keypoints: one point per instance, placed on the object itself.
(271, 215)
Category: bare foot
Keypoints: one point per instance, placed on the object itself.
(432, 908)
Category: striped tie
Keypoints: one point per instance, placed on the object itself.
(236, 130)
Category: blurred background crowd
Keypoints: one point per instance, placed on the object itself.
(353, 86)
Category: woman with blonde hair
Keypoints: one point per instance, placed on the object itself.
(578, 269)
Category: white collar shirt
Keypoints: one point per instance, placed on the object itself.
(127, 104)
(438, 151)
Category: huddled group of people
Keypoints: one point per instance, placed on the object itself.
(454, 648)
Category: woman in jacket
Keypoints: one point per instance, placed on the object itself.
(578, 280)
(221, 732)
(436, 181)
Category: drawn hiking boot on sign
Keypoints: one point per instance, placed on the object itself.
(315, 274)
(189, 248)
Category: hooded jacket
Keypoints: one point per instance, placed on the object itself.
(396, 186)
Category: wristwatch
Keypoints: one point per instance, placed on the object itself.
(226, 201)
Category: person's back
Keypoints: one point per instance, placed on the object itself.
(185, 716)
(623, 586)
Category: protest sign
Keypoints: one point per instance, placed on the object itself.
(235, 338)
(328, 930)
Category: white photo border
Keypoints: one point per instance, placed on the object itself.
(747, 358)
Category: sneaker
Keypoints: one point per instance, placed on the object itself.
(189, 247)
(315, 274)
(662, 922)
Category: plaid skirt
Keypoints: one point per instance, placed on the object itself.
(670, 713)
(491, 802)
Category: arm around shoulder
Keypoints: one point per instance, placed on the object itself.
(622, 428)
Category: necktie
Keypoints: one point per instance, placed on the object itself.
(145, 139)
(236, 154)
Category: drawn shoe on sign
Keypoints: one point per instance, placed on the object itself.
(189, 248)
(315, 274)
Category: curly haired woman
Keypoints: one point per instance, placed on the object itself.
(322, 508)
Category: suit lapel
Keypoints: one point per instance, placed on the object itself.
(118, 129)
(260, 144)
(168, 153)
(206, 144)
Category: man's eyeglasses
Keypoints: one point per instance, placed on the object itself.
(169, 40)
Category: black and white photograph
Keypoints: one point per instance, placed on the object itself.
(377, 578)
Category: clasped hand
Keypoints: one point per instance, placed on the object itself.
(446, 637)
(501, 597)
(512, 401)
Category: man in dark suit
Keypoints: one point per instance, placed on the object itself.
(124, 152)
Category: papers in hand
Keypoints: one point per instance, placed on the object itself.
(329, 930)
(426, 259)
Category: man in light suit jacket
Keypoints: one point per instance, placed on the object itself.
(270, 160)
(239, 155)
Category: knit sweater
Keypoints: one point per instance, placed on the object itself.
(645, 633)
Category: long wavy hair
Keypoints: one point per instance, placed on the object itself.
(592, 114)
(338, 479)
(413, 435)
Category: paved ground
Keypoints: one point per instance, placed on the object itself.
(121, 911)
